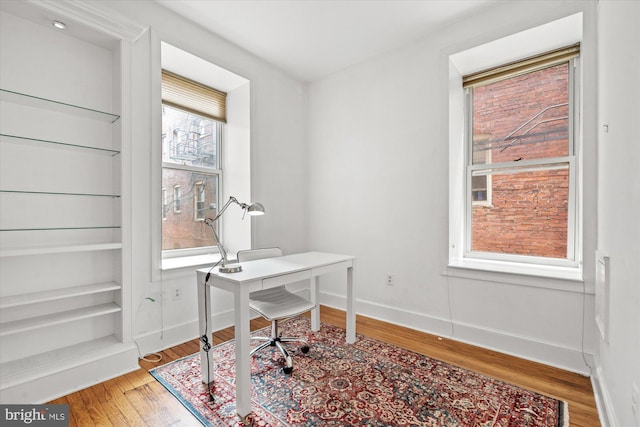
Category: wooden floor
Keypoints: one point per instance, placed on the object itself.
(137, 399)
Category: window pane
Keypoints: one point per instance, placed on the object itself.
(479, 189)
(523, 117)
(183, 228)
(527, 215)
(188, 139)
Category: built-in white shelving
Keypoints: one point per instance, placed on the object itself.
(65, 296)
(59, 106)
(51, 362)
(55, 294)
(24, 325)
(27, 140)
(43, 250)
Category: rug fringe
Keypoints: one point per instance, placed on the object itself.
(565, 414)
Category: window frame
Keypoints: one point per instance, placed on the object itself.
(572, 259)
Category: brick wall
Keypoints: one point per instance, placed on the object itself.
(180, 229)
(527, 211)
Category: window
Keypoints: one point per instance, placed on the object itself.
(520, 170)
(192, 130)
(165, 203)
(177, 199)
(481, 185)
(198, 201)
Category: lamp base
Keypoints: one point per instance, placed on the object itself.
(231, 268)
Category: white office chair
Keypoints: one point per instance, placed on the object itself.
(276, 304)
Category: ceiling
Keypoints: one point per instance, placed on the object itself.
(311, 39)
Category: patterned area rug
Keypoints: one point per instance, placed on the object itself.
(368, 383)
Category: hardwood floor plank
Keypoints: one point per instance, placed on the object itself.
(128, 413)
(97, 413)
(78, 411)
(145, 407)
(175, 408)
(137, 399)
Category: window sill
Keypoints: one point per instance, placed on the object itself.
(543, 276)
(177, 263)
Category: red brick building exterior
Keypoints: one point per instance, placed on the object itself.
(180, 227)
(524, 213)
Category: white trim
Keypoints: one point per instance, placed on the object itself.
(602, 281)
(96, 16)
(528, 348)
(604, 403)
(155, 104)
(162, 339)
(567, 278)
(66, 376)
(190, 261)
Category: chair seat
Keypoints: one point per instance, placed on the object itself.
(278, 303)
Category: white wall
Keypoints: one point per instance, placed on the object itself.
(619, 203)
(342, 167)
(378, 162)
(278, 169)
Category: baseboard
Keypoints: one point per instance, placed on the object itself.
(155, 341)
(409, 319)
(524, 347)
(46, 385)
(601, 394)
(565, 358)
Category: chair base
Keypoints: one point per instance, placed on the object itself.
(275, 341)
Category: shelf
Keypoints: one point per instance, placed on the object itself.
(35, 101)
(39, 365)
(64, 144)
(32, 323)
(53, 193)
(59, 228)
(44, 250)
(52, 295)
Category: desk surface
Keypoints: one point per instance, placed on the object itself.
(271, 267)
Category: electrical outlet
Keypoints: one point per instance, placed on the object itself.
(177, 294)
(390, 279)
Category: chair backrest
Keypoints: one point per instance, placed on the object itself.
(251, 254)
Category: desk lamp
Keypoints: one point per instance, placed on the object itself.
(252, 209)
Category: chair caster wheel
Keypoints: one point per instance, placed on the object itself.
(305, 349)
(287, 370)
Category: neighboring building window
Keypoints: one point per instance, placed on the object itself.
(521, 164)
(481, 185)
(193, 118)
(199, 201)
(165, 203)
(177, 199)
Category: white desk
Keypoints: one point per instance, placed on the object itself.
(264, 274)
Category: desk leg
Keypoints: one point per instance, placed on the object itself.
(351, 308)
(315, 313)
(206, 329)
(243, 361)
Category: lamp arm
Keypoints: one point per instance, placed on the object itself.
(226, 205)
(210, 222)
(223, 253)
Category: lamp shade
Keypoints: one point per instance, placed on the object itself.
(255, 209)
